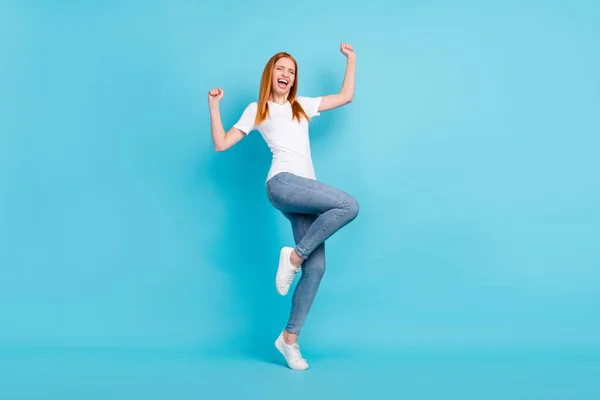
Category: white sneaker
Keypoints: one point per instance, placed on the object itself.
(286, 272)
(292, 355)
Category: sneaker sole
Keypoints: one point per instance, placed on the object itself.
(282, 291)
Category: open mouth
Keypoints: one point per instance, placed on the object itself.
(282, 83)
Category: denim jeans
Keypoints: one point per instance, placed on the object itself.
(316, 211)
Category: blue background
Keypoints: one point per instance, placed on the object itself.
(471, 145)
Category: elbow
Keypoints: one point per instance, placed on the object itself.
(220, 148)
(347, 97)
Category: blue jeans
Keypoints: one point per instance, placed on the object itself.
(316, 211)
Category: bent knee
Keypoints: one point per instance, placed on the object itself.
(352, 207)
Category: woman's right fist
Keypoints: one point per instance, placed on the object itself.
(215, 95)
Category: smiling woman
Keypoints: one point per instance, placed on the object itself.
(315, 210)
(278, 85)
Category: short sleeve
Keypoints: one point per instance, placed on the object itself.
(310, 105)
(246, 121)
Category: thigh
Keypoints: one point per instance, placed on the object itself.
(290, 193)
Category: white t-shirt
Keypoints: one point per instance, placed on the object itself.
(288, 140)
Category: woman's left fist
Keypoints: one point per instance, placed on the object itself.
(347, 50)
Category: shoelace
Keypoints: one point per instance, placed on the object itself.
(296, 352)
(290, 276)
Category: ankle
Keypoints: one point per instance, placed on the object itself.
(295, 259)
(289, 338)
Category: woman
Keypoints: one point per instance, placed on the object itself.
(316, 211)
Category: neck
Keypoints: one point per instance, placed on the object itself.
(279, 99)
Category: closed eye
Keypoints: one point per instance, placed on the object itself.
(279, 68)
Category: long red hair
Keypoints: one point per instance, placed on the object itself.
(265, 91)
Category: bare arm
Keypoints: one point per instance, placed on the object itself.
(346, 94)
(221, 140)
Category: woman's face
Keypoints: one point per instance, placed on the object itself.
(283, 77)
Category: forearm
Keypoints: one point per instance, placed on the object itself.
(216, 126)
(348, 85)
